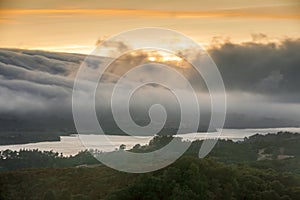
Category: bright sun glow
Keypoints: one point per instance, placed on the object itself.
(163, 57)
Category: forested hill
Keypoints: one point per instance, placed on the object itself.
(188, 178)
(261, 167)
(283, 146)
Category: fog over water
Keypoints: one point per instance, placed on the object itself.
(261, 81)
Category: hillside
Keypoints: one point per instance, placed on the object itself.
(233, 170)
(187, 178)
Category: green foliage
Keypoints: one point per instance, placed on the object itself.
(12, 160)
(61, 183)
(49, 195)
(231, 171)
(247, 151)
(187, 178)
(192, 178)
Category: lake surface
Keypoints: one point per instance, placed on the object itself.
(71, 145)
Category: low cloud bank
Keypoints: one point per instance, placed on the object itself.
(261, 80)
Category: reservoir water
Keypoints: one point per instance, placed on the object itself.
(71, 145)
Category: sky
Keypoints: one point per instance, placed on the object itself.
(76, 26)
(255, 45)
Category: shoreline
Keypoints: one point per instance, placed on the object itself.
(72, 144)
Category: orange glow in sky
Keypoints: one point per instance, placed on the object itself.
(75, 26)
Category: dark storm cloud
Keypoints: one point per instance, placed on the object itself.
(270, 68)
